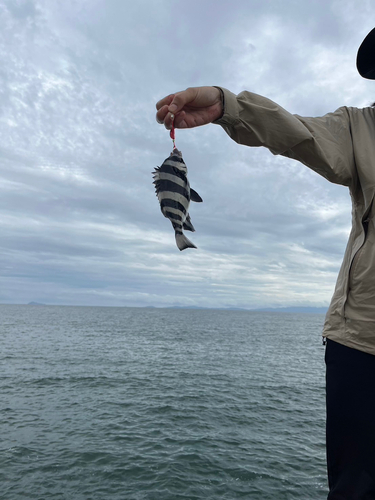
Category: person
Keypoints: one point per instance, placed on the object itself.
(340, 146)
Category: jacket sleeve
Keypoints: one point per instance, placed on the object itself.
(324, 144)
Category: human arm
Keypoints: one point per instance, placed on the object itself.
(324, 144)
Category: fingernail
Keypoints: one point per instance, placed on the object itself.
(172, 108)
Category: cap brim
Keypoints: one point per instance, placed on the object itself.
(366, 57)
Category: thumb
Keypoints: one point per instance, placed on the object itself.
(181, 99)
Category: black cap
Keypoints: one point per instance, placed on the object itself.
(366, 57)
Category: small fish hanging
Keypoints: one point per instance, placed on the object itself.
(174, 193)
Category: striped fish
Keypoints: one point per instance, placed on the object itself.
(174, 193)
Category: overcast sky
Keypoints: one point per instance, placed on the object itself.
(80, 223)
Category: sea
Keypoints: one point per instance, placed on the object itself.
(104, 403)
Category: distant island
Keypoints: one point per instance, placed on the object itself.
(292, 309)
(311, 310)
(295, 310)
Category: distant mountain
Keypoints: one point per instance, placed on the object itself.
(186, 307)
(35, 304)
(311, 310)
(295, 310)
(209, 308)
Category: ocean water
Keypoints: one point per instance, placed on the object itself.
(160, 404)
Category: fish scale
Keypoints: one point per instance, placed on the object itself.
(174, 194)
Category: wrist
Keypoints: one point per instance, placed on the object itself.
(222, 102)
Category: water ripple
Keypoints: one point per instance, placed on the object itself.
(133, 404)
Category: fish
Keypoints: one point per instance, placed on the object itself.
(174, 194)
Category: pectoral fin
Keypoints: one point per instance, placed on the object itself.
(194, 196)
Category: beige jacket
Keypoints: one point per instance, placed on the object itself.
(340, 146)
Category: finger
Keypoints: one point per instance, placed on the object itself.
(168, 120)
(165, 101)
(161, 114)
(179, 120)
(158, 119)
(180, 99)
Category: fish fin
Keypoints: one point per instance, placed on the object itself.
(194, 196)
(156, 182)
(182, 242)
(187, 224)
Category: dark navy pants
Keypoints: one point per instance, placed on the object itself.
(350, 389)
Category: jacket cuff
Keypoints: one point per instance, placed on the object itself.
(230, 114)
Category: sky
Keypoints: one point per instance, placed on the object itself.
(79, 220)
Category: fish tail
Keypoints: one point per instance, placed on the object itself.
(182, 242)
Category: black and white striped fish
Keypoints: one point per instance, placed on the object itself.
(174, 193)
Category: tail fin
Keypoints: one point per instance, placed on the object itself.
(182, 242)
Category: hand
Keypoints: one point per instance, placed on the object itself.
(192, 107)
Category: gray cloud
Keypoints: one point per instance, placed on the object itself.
(79, 220)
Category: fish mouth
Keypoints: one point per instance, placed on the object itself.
(176, 152)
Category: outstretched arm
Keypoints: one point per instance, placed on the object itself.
(323, 143)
